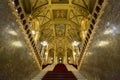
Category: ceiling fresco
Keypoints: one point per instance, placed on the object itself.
(60, 30)
(61, 22)
(59, 14)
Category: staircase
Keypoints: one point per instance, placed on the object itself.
(60, 72)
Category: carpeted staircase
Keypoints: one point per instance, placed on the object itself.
(60, 72)
(60, 68)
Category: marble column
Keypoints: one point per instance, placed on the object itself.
(65, 56)
(55, 56)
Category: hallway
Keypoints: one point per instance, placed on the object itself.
(71, 39)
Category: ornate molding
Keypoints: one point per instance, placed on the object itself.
(85, 48)
(34, 48)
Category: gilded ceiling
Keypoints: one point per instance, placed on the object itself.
(59, 22)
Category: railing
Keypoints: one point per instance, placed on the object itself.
(24, 25)
(97, 12)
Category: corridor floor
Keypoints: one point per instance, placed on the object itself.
(51, 68)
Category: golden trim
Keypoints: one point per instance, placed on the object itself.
(93, 33)
(18, 20)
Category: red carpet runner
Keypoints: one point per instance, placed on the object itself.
(60, 72)
(60, 68)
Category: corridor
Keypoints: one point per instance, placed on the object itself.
(59, 39)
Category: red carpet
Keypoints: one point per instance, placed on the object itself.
(60, 68)
(60, 72)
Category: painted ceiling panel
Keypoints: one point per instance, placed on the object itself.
(65, 18)
(46, 20)
(48, 15)
(71, 14)
(74, 20)
(60, 13)
(80, 18)
(60, 30)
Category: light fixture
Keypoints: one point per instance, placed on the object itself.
(111, 30)
(89, 53)
(46, 53)
(108, 31)
(74, 53)
(17, 44)
(75, 43)
(12, 32)
(13, 2)
(51, 58)
(16, 10)
(60, 58)
(103, 43)
(33, 32)
(68, 58)
(44, 43)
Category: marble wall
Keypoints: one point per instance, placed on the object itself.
(16, 59)
(102, 60)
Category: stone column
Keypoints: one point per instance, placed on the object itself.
(42, 55)
(65, 56)
(55, 55)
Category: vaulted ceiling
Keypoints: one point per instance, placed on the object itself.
(59, 22)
